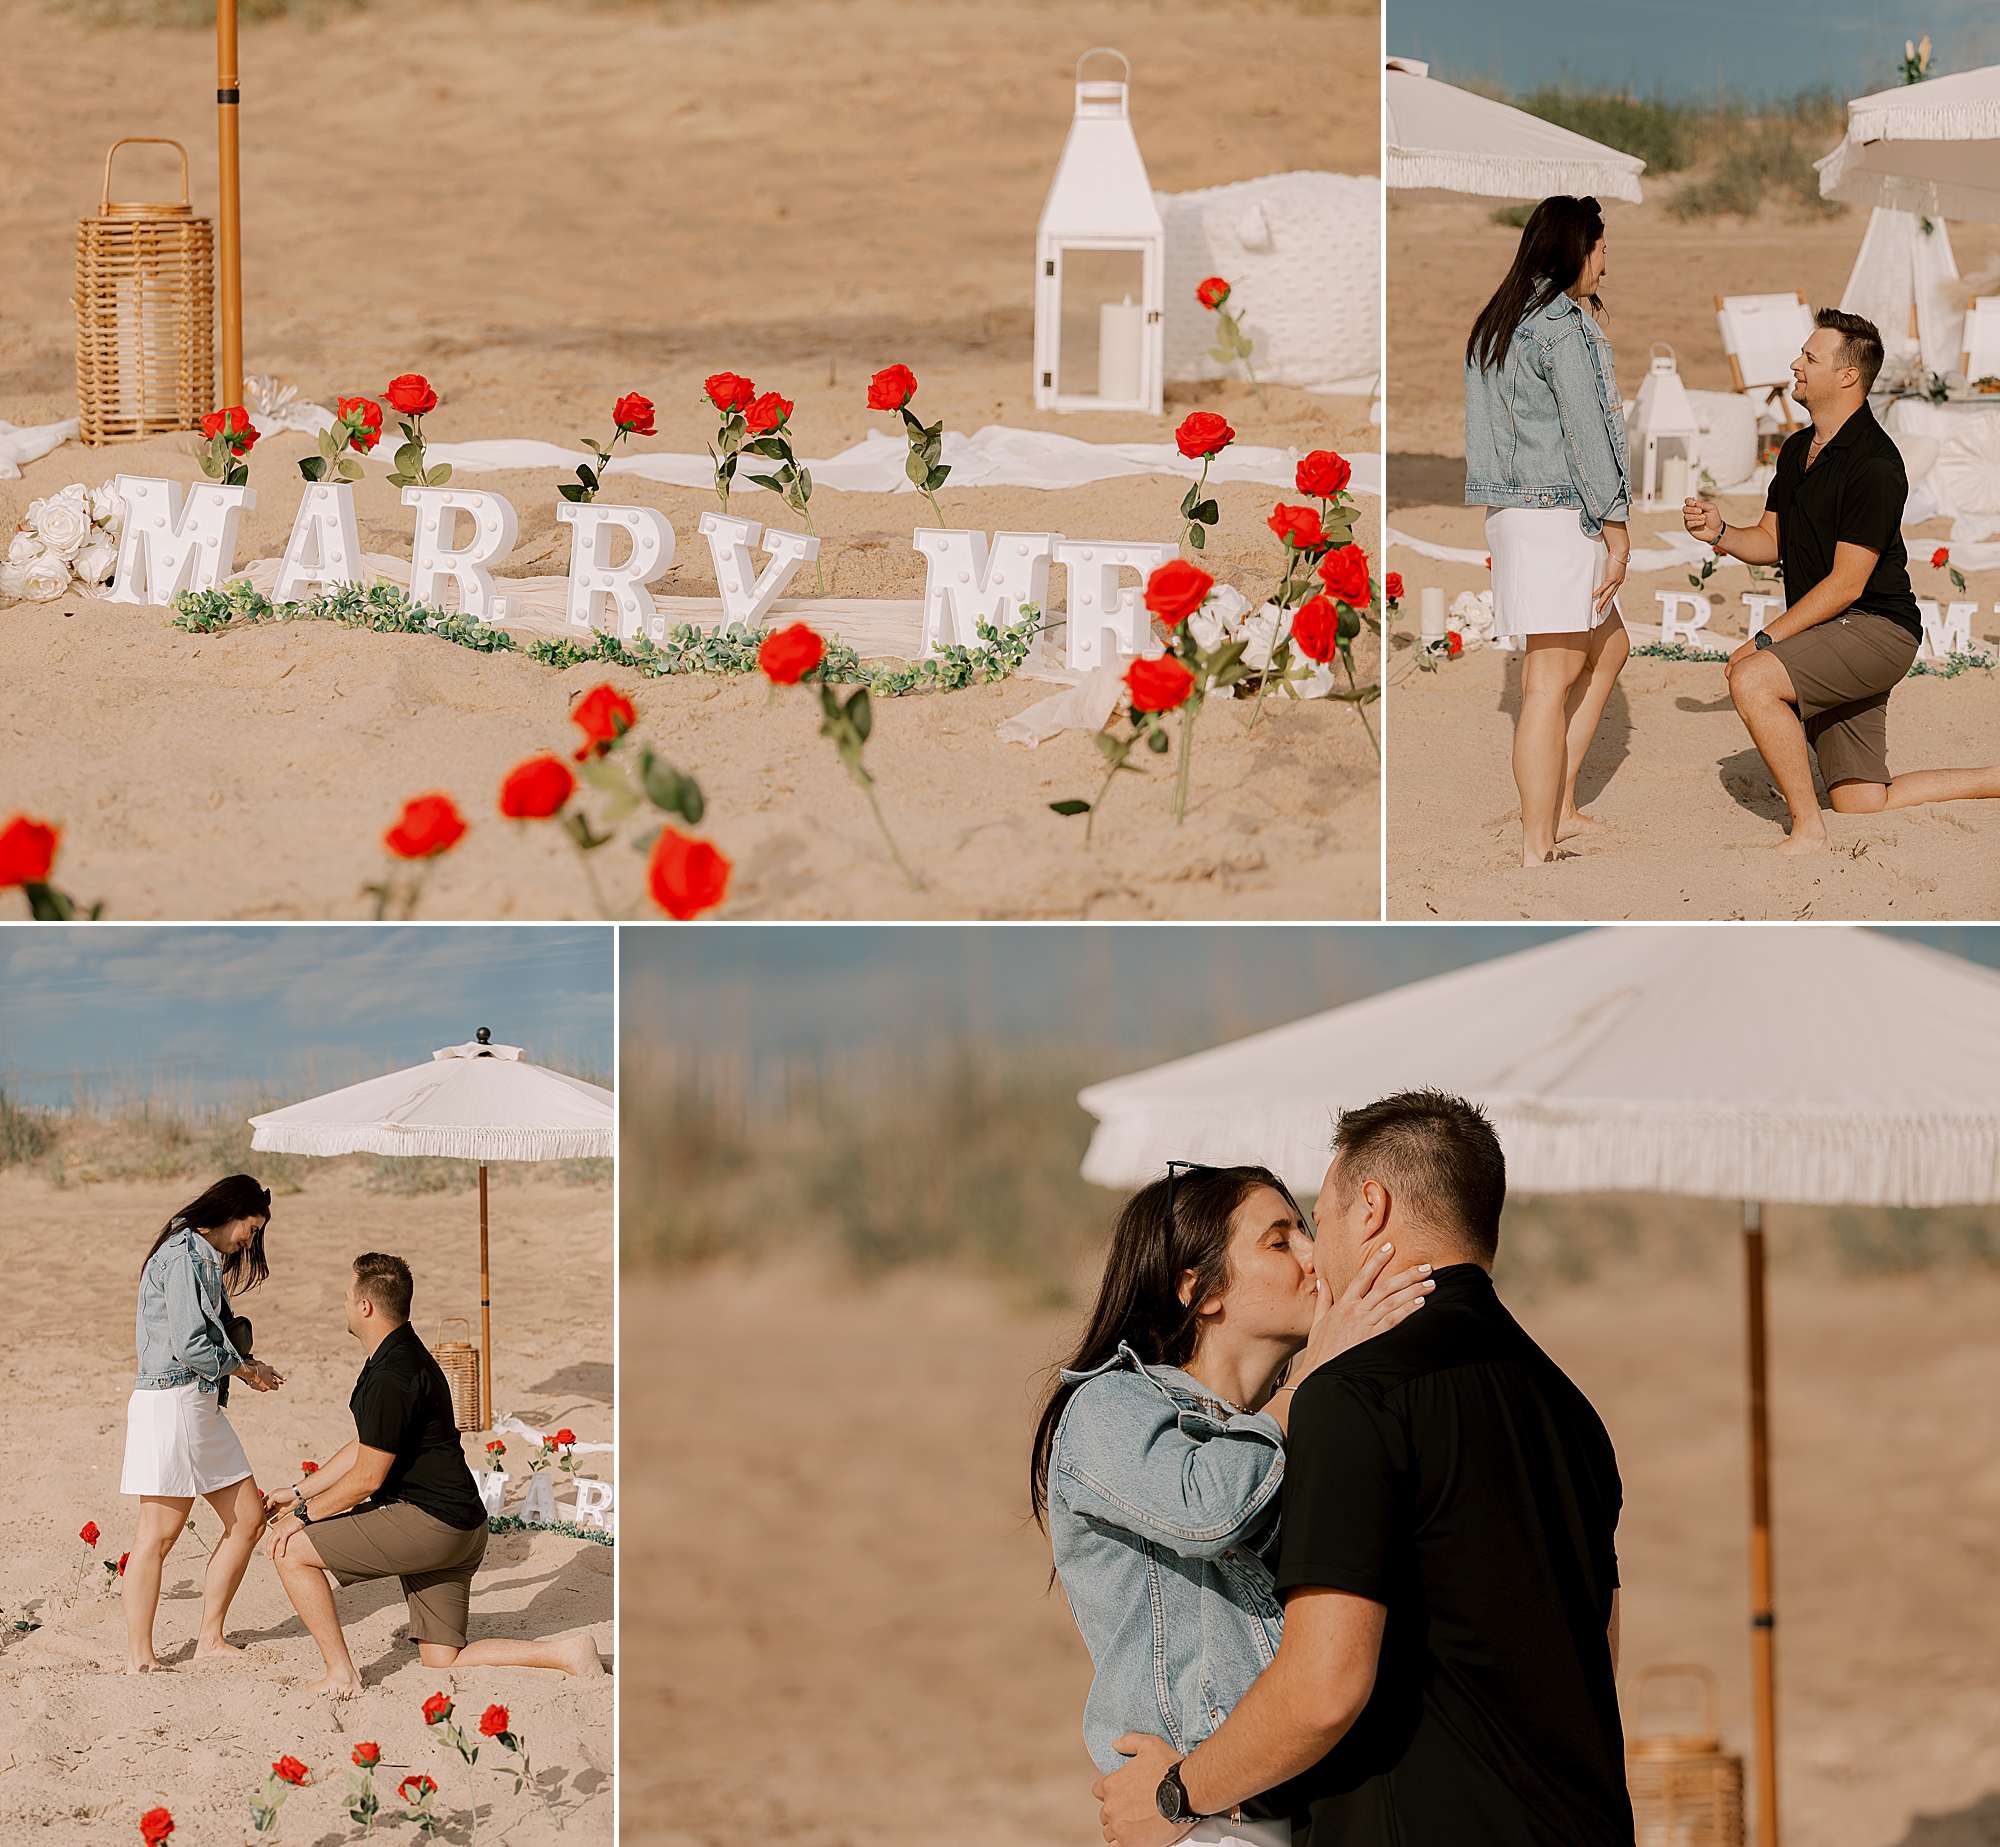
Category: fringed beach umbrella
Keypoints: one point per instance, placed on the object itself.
(479, 1102)
(1820, 1067)
(1932, 148)
(229, 211)
(1440, 141)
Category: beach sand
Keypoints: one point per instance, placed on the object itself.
(643, 214)
(1687, 805)
(835, 1614)
(86, 1750)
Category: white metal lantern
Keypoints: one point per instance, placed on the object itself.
(1663, 435)
(1100, 262)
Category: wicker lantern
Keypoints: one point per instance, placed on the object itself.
(1685, 1792)
(145, 315)
(459, 1360)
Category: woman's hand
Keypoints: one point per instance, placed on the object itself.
(259, 1377)
(1372, 1304)
(1614, 577)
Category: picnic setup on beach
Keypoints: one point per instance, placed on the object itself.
(1201, 583)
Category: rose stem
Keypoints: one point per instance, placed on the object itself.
(868, 789)
(1188, 712)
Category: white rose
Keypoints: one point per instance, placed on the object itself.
(63, 521)
(45, 579)
(13, 580)
(97, 560)
(25, 548)
(1261, 632)
(106, 509)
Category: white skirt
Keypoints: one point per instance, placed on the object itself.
(1546, 571)
(1220, 1831)
(179, 1443)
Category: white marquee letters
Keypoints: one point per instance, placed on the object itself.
(595, 582)
(325, 546)
(746, 596)
(963, 582)
(432, 555)
(1098, 603)
(171, 543)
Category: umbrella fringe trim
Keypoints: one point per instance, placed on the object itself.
(1514, 177)
(484, 1144)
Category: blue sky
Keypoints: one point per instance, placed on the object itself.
(208, 1014)
(1685, 48)
(1122, 994)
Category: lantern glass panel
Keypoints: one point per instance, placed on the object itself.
(1100, 354)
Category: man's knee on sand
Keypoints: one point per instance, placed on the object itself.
(1759, 680)
(1858, 797)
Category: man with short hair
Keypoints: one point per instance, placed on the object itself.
(1820, 676)
(1447, 1671)
(398, 1501)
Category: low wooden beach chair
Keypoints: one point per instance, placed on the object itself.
(1762, 335)
(1982, 339)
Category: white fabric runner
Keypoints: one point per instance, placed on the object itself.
(1679, 549)
(30, 444)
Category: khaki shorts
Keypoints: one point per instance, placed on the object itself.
(1843, 672)
(434, 1561)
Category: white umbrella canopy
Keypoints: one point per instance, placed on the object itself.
(1932, 148)
(477, 1102)
(1440, 142)
(1819, 1066)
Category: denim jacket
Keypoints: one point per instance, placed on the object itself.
(1163, 1512)
(1546, 427)
(182, 1337)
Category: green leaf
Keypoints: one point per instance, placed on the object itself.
(312, 467)
(1190, 500)
(915, 469)
(937, 479)
(579, 830)
(438, 476)
(663, 782)
(1070, 807)
(860, 714)
(570, 491)
(1158, 741)
(609, 777)
(409, 458)
(349, 468)
(692, 805)
(766, 445)
(1221, 354)
(617, 807)
(771, 481)
(1194, 538)
(1208, 513)
(328, 445)
(805, 488)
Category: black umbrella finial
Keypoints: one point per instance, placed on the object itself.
(484, 1035)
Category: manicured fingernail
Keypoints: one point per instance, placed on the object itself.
(1425, 1268)
(1388, 1247)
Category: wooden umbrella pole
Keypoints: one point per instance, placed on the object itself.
(485, 1315)
(229, 214)
(1763, 1634)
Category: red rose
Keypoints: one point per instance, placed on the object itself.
(154, 1826)
(90, 1535)
(686, 876)
(1316, 628)
(787, 655)
(726, 391)
(422, 1786)
(634, 413)
(1345, 574)
(1158, 685)
(767, 413)
(1203, 433)
(605, 715)
(1454, 644)
(892, 388)
(1212, 293)
(496, 1449)
(289, 1770)
(1176, 590)
(363, 417)
(565, 1436)
(536, 789)
(429, 825)
(1392, 586)
(122, 1557)
(234, 423)
(1940, 558)
(1297, 526)
(309, 1468)
(411, 394)
(1323, 474)
(367, 1756)
(437, 1708)
(27, 851)
(493, 1721)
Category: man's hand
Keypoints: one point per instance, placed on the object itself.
(280, 1530)
(1130, 1812)
(1748, 651)
(259, 1377)
(1697, 515)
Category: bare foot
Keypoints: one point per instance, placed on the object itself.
(336, 1689)
(1528, 860)
(580, 1656)
(1577, 822)
(1795, 844)
(203, 1649)
(149, 1666)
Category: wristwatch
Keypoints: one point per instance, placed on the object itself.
(299, 1512)
(1172, 1798)
(1763, 638)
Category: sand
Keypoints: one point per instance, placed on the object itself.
(1687, 804)
(85, 1750)
(636, 216)
(835, 1612)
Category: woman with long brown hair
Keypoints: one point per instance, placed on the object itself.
(1161, 1448)
(178, 1442)
(1545, 456)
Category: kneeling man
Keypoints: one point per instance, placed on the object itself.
(398, 1501)
(1820, 676)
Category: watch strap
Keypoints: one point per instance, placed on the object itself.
(1171, 1798)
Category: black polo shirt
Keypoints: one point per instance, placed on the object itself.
(402, 1403)
(1448, 1470)
(1855, 491)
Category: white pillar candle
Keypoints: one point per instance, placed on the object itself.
(1433, 612)
(1673, 479)
(1121, 332)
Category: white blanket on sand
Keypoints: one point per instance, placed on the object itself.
(30, 444)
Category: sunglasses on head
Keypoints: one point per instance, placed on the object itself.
(1176, 1168)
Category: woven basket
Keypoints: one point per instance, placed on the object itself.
(1685, 1791)
(460, 1360)
(145, 315)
